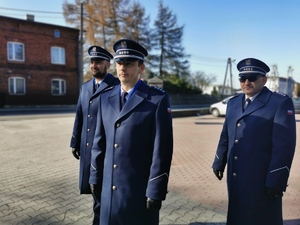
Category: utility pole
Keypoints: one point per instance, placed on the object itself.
(274, 79)
(290, 72)
(289, 82)
(229, 64)
(80, 58)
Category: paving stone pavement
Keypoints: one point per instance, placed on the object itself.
(39, 175)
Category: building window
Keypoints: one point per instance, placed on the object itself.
(58, 87)
(58, 55)
(15, 51)
(16, 86)
(57, 33)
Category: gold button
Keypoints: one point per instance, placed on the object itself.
(114, 188)
(116, 145)
(115, 166)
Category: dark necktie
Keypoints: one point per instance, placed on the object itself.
(248, 101)
(96, 86)
(123, 98)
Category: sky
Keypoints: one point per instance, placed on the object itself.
(214, 30)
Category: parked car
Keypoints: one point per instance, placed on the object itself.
(219, 108)
(296, 104)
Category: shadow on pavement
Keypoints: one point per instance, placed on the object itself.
(207, 223)
(209, 123)
(285, 222)
(292, 222)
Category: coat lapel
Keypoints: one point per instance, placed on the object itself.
(259, 102)
(239, 104)
(114, 99)
(131, 104)
(90, 87)
(107, 82)
(103, 86)
(137, 98)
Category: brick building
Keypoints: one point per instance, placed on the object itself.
(38, 63)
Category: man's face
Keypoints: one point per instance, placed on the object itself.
(251, 86)
(99, 68)
(129, 72)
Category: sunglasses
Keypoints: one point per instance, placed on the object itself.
(249, 78)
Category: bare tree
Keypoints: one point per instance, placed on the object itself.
(202, 80)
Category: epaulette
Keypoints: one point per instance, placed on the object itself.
(235, 96)
(157, 88)
(280, 94)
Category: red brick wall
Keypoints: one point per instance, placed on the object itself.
(37, 69)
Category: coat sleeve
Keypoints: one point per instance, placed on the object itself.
(162, 152)
(283, 146)
(220, 159)
(98, 151)
(78, 123)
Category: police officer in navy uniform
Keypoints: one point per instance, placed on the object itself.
(86, 115)
(257, 143)
(133, 144)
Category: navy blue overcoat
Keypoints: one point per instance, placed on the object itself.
(133, 149)
(258, 147)
(85, 124)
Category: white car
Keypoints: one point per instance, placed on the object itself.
(219, 108)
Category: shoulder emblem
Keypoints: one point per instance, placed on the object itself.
(157, 88)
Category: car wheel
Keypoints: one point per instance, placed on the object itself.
(215, 112)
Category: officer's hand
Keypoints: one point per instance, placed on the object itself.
(76, 152)
(272, 193)
(95, 189)
(153, 204)
(218, 173)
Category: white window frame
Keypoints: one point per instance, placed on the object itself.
(58, 55)
(13, 55)
(13, 90)
(61, 87)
